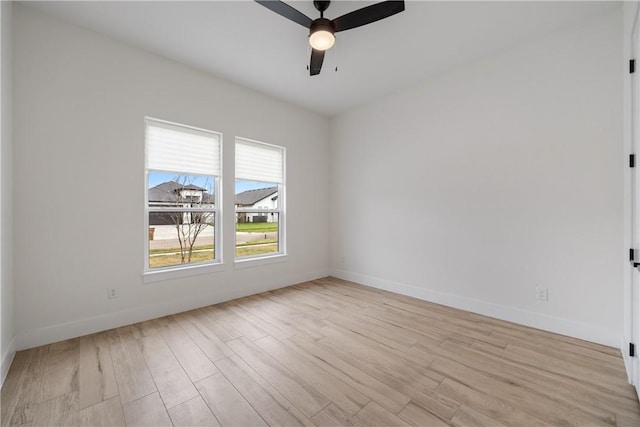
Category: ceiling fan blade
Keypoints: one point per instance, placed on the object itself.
(315, 65)
(283, 9)
(367, 15)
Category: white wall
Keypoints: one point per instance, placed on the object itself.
(473, 188)
(469, 189)
(79, 105)
(7, 342)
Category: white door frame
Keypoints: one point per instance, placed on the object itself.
(634, 302)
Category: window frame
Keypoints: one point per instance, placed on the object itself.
(194, 268)
(281, 255)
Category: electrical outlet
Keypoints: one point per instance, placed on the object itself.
(542, 294)
(112, 293)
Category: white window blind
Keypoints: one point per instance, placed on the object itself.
(259, 162)
(182, 149)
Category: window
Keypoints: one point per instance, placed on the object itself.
(259, 199)
(182, 196)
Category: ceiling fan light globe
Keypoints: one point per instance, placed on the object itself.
(322, 40)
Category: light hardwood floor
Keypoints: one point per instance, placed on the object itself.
(326, 352)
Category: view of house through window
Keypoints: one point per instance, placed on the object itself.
(181, 219)
(257, 218)
(183, 167)
(259, 199)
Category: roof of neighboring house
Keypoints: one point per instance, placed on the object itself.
(168, 192)
(251, 197)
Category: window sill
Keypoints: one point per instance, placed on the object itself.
(180, 272)
(256, 261)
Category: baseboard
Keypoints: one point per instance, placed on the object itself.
(106, 321)
(523, 317)
(76, 328)
(628, 364)
(624, 349)
(7, 359)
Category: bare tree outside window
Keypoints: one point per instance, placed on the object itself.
(190, 224)
(186, 204)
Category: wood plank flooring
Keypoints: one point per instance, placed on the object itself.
(325, 353)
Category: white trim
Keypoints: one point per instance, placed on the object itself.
(7, 359)
(181, 272)
(584, 331)
(624, 344)
(257, 260)
(171, 209)
(257, 210)
(103, 322)
(631, 182)
(219, 218)
(628, 363)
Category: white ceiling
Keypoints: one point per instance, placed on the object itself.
(246, 43)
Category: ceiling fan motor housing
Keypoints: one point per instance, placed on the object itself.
(322, 24)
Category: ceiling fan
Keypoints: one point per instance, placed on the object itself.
(322, 30)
